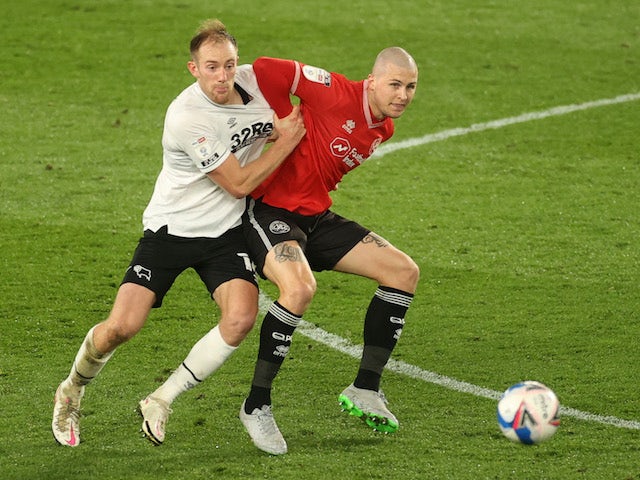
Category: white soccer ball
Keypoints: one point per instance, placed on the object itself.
(528, 412)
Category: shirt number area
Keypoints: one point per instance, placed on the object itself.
(248, 135)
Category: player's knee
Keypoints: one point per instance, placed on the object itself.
(119, 332)
(303, 292)
(405, 275)
(296, 296)
(239, 323)
(412, 272)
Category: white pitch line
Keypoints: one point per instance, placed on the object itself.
(344, 346)
(494, 124)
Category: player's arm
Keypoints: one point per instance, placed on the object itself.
(276, 79)
(240, 181)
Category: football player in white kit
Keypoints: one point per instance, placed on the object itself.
(213, 141)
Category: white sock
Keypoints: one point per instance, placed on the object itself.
(87, 364)
(206, 356)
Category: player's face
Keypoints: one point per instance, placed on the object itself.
(391, 92)
(214, 66)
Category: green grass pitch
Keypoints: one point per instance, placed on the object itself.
(527, 236)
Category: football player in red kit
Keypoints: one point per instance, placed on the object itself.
(292, 232)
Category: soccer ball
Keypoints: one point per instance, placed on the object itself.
(528, 412)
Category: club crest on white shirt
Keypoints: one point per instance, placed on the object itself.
(204, 151)
(202, 148)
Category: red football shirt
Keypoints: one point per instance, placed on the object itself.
(341, 133)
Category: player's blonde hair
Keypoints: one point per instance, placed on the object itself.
(211, 30)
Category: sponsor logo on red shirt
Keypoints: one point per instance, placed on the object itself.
(340, 147)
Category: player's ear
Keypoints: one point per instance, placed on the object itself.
(371, 79)
(193, 68)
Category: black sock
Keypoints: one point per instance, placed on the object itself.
(258, 396)
(383, 325)
(275, 340)
(367, 379)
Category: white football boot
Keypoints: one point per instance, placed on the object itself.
(155, 414)
(263, 430)
(66, 415)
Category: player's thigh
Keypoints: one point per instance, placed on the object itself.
(265, 227)
(286, 265)
(375, 258)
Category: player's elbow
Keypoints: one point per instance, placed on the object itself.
(239, 192)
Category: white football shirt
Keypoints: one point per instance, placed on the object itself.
(199, 135)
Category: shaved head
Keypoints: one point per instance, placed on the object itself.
(393, 56)
(392, 83)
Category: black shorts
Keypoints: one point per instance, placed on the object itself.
(161, 257)
(324, 238)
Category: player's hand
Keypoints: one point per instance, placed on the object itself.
(290, 129)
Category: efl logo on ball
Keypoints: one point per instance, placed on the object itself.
(528, 412)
